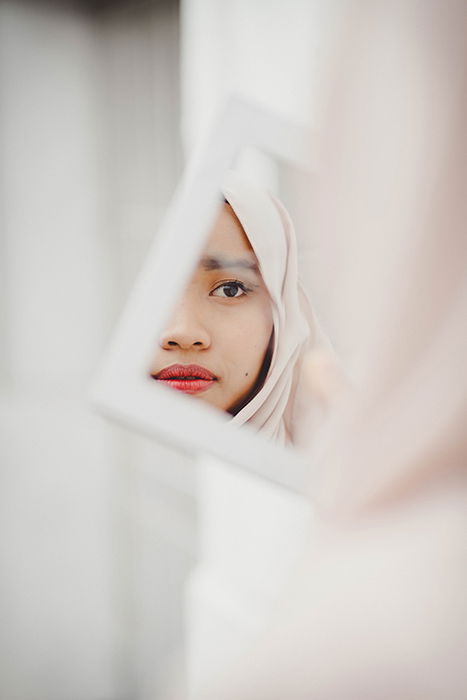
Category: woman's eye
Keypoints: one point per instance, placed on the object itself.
(229, 290)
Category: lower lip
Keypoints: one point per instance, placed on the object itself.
(188, 386)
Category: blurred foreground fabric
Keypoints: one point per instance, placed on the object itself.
(377, 608)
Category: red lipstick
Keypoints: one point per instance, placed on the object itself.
(191, 379)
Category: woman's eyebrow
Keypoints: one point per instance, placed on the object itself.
(209, 262)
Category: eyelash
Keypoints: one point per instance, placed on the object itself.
(238, 283)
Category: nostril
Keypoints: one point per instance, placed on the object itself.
(182, 343)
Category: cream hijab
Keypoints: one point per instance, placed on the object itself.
(276, 407)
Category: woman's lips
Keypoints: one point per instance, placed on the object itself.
(190, 379)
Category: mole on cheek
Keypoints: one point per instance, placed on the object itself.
(246, 374)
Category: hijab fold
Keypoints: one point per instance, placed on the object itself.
(270, 231)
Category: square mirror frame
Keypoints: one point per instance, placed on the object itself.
(122, 388)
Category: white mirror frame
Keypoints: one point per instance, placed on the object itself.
(123, 389)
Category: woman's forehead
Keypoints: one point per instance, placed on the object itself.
(227, 238)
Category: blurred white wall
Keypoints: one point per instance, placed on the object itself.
(97, 525)
(273, 53)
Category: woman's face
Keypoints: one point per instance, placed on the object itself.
(216, 342)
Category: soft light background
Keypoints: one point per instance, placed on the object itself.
(101, 103)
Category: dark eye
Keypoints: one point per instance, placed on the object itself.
(229, 290)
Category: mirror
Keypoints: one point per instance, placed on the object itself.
(237, 334)
(207, 354)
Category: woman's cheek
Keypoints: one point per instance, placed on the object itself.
(244, 330)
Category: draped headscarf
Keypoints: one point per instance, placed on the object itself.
(276, 407)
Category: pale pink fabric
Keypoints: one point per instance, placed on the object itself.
(378, 609)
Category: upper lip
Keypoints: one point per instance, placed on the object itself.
(185, 371)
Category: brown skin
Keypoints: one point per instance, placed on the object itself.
(223, 322)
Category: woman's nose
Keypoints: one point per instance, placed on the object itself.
(185, 331)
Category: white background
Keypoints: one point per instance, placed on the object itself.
(99, 103)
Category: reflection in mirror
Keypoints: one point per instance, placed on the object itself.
(239, 333)
(217, 344)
